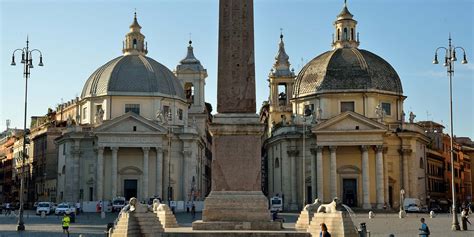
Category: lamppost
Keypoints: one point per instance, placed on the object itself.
(168, 119)
(449, 59)
(307, 112)
(27, 60)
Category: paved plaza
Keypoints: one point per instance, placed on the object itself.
(90, 224)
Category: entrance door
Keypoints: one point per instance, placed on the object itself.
(130, 188)
(349, 192)
(390, 196)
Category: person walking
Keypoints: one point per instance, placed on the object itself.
(465, 218)
(424, 230)
(324, 231)
(193, 211)
(66, 222)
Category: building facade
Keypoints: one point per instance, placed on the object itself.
(137, 130)
(338, 129)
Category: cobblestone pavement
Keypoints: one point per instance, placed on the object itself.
(90, 224)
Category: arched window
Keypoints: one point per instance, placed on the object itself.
(134, 43)
(345, 34)
(277, 163)
(338, 34)
(352, 33)
(421, 163)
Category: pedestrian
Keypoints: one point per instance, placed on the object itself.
(324, 231)
(465, 218)
(66, 222)
(424, 230)
(7, 209)
(193, 211)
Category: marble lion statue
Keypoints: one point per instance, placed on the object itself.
(328, 208)
(313, 206)
(156, 203)
(133, 203)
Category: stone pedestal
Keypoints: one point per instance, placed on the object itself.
(339, 224)
(236, 201)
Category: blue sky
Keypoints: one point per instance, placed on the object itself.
(76, 37)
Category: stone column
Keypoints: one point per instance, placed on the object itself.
(159, 172)
(292, 154)
(146, 151)
(76, 152)
(114, 171)
(365, 178)
(406, 182)
(385, 171)
(379, 177)
(320, 174)
(185, 176)
(313, 175)
(333, 172)
(100, 174)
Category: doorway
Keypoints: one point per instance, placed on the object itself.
(390, 196)
(130, 188)
(349, 192)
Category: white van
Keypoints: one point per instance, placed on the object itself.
(276, 204)
(412, 204)
(45, 207)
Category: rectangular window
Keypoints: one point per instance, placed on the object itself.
(387, 107)
(84, 113)
(347, 106)
(135, 108)
(180, 114)
(166, 110)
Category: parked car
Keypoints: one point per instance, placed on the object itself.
(45, 207)
(63, 208)
(118, 203)
(412, 204)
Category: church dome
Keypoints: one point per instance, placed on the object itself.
(133, 74)
(347, 69)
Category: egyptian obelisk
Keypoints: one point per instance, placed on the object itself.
(236, 201)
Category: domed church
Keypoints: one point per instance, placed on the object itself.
(338, 129)
(137, 130)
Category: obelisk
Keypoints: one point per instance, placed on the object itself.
(236, 201)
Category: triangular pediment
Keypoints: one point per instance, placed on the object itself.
(349, 121)
(128, 123)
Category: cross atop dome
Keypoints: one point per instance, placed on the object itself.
(134, 40)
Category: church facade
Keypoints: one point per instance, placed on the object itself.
(338, 129)
(138, 130)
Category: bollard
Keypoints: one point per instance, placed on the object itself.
(371, 214)
(102, 215)
(362, 230)
(43, 214)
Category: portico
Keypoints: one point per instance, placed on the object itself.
(350, 147)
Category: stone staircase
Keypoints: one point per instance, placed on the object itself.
(304, 219)
(136, 224)
(166, 217)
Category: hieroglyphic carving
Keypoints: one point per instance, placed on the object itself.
(236, 69)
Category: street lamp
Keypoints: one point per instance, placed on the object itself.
(168, 119)
(27, 60)
(307, 112)
(449, 59)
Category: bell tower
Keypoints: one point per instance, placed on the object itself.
(281, 80)
(134, 40)
(346, 35)
(192, 75)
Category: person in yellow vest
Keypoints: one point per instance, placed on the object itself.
(66, 221)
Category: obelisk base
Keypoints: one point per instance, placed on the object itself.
(236, 210)
(236, 201)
